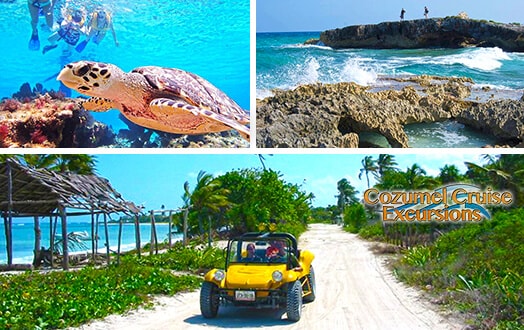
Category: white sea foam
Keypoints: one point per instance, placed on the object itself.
(354, 70)
(301, 46)
(263, 93)
(306, 73)
(450, 133)
(486, 59)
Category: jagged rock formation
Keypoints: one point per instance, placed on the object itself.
(333, 115)
(449, 32)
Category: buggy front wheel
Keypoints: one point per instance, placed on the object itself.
(209, 300)
(294, 301)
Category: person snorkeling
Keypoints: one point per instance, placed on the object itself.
(37, 8)
(100, 22)
(71, 28)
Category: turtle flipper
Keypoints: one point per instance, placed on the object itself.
(165, 108)
(99, 104)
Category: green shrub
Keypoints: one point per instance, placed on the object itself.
(480, 264)
(61, 299)
(419, 256)
(182, 258)
(355, 218)
(373, 232)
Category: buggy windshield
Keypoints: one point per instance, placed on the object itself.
(258, 251)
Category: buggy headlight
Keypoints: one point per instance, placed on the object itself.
(277, 276)
(219, 275)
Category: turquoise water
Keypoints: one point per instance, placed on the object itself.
(283, 62)
(207, 37)
(23, 237)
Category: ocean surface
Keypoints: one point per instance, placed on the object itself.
(206, 37)
(24, 241)
(284, 62)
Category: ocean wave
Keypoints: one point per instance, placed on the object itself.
(303, 46)
(484, 59)
(263, 93)
(323, 69)
(355, 71)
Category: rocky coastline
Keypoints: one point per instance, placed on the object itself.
(449, 32)
(334, 115)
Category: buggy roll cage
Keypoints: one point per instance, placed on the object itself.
(264, 236)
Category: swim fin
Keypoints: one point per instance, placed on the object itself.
(34, 42)
(48, 48)
(81, 46)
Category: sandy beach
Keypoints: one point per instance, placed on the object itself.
(354, 290)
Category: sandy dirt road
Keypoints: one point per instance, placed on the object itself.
(354, 291)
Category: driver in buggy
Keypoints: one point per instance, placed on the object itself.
(251, 253)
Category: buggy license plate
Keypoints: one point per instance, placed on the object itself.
(245, 295)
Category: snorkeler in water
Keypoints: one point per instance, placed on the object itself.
(71, 28)
(37, 8)
(99, 23)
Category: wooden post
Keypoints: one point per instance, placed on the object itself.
(97, 225)
(184, 234)
(93, 238)
(6, 232)
(51, 241)
(119, 240)
(8, 221)
(65, 252)
(170, 228)
(107, 238)
(137, 235)
(154, 239)
(38, 248)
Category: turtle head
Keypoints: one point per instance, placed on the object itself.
(89, 78)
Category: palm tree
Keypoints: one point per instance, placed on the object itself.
(416, 178)
(346, 194)
(76, 163)
(368, 166)
(502, 172)
(208, 198)
(384, 163)
(186, 197)
(449, 174)
(263, 160)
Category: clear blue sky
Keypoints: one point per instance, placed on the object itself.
(320, 15)
(155, 179)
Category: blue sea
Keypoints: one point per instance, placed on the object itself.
(206, 37)
(284, 62)
(24, 241)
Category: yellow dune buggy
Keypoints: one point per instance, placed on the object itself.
(261, 270)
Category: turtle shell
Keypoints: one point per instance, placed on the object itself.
(191, 88)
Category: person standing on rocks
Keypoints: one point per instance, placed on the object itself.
(402, 12)
(426, 12)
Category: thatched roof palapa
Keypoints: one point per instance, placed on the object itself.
(26, 192)
(41, 192)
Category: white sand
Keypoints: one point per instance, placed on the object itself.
(354, 291)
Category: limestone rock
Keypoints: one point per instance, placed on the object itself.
(449, 32)
(333, 115)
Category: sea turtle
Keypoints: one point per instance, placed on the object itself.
(164, 99)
